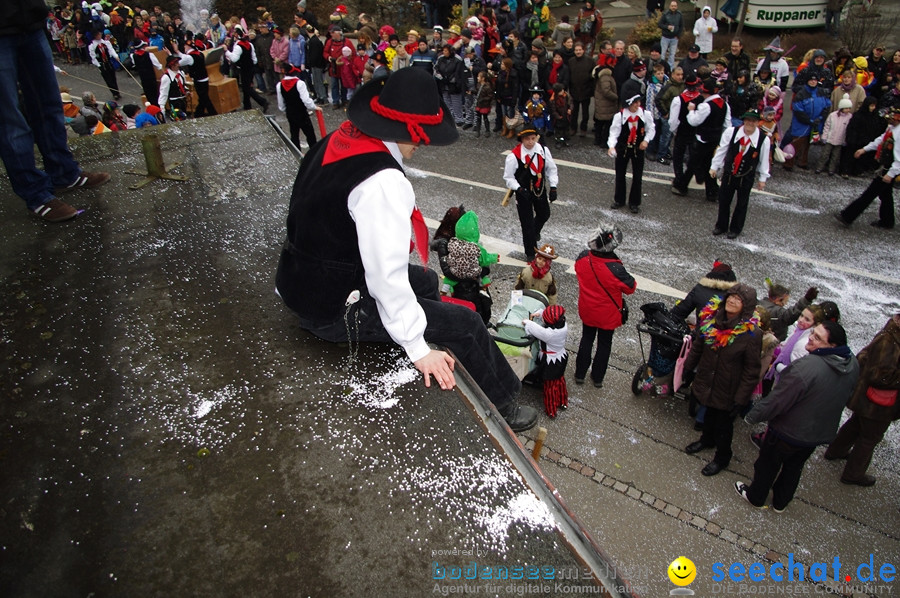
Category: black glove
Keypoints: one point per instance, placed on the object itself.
(811, 294)
(552, 195)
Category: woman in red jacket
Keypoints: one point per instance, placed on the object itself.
(602, 279)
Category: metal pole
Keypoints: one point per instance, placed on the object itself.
(465, 10)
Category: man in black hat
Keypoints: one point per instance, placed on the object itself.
(295, 102)
(709, 119)
(691, 63)
(887, 154)
(529, 170)
(146, 65)
(173, 87)
(742, 153)
(635, 85)
(243, 54)
(344, 268)
(200, 77)
(631, 132)
(683, 131)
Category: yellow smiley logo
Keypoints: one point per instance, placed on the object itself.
(682, 571)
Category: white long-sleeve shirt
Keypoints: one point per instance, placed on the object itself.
(551, 173)
(381, 207)
(555, 338)
(701, 113)
(236, 51)
(301, 89)
(872, 146)
(110, 51)
(758, 141)
(621, 120)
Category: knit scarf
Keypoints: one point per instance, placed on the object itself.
(554, 72)
(537, 272)
(717, 338)
(848, 88)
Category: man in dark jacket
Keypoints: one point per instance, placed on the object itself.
(693, 61)
(803, 411)
(879, 373)
(818, 69)
(737, 59)
(581, 87)
(622, 67)
(635, 85)
(671, 24)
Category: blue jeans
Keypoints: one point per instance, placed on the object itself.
(669, 44)
(25, 60)
(662, 139)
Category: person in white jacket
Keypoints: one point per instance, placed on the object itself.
(704, 28)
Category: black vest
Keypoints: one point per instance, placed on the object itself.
(198, 69)
(530, 181)
(710, 130)
(751, 157)
(294, 107)
(175, 92)
(246, 59)
(684, 128)
(143, 65)
(320, 262)
(622, 142)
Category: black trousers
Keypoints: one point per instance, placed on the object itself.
(600, 361)
(718, 430)
(636, 157)
(452, 326)
(732, 185)
(698, 166)
(582, 106)
(108, 72)
(877, 188)
(778, 467)
(301, 122)
(248, 91)
(204, 104)
(534, 212)
(150, 87)
(679, 149)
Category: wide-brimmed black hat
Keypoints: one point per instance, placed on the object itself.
(405, 107)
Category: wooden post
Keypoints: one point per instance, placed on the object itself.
(156, 167)
(740, 28)
(505, 201)
(539, 443)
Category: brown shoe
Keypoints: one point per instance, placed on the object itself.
(865, 481)
(86, 180)
(56, 211)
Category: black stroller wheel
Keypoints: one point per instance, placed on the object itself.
(638, 378)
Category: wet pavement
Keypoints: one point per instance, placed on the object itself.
(168, 429)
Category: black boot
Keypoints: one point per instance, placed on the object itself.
(519, 418)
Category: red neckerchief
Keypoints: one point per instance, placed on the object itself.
(536, 272)
(140, 52)
(536, 166)
(718, 101)
(632, 128)
(288, 83)
(245, 45)
(885, 141)
(745, 141)
(689, 95)
(348, 141)
(420, 233)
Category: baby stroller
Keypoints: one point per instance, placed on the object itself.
(521, 350)
(654, 375)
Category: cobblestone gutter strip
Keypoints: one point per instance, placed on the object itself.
(686, 517)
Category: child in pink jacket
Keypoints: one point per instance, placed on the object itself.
(834, 136)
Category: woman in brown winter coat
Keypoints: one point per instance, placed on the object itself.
(879, 369)
(606, 103)
(726, 352)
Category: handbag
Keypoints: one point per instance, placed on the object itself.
(623, 311)
(882, 396)
(514, 121)
(778, 155)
